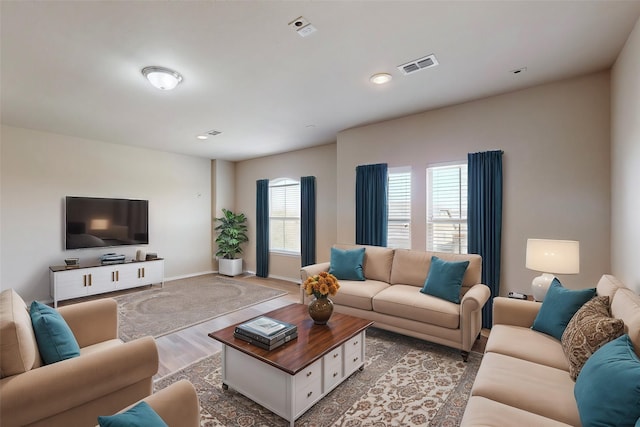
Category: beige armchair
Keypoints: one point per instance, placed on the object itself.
(107, 376)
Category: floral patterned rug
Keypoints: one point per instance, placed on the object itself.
(405, 382)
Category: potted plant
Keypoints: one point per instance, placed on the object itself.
(232, 232)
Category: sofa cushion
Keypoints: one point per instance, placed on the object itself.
(377, 261)
(407, 302)
(589, 329)
(54, 337)
(411, 267)
(18, 347)
(625, 305)
(558, 307)
(481, 411)
(358, 294)
(527, 344)
(139, 415)
(607, 390)
(347, 264)
(445, 279)
(529, 386)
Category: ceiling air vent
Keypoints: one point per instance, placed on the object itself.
(418, 64)
(214, 132)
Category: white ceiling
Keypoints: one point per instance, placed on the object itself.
(73, 67)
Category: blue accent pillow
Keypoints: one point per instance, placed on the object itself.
(54, 337)
(347, 264)
(607, 390)
(140, 415)
(444, 279)
(558, 307)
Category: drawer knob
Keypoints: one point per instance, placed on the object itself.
(309, 374)
(355, 359)
(335, 374)
(335, 355)
(309, 394)
(355, 343)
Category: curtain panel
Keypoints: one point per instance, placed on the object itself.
(485, 220)
(371, 204)
(307, 220)
(262, 228)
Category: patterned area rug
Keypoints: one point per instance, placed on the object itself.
(185, 302)
(405, 382)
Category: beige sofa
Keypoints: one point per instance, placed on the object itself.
(390, 296)
(107, 376)
(523, 378)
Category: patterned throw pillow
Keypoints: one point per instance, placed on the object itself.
(589, 329)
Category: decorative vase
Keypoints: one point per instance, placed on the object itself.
(320, 310)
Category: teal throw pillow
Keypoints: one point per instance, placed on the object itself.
(444, 279)
(347, 264)
(54, 337)
(607, 390)
(140, 415)
(558, 307)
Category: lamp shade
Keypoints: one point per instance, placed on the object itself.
(553, 256)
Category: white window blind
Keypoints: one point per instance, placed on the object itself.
(399, 216)
(284, 215)
(447, 208)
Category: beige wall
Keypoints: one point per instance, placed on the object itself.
(223, 185)
(625, 162)
(39, 169)
(555, 139)
(319, 162)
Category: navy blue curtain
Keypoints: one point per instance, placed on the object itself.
(485, 220)
(308, 220)
(371, 204)
(262, 228)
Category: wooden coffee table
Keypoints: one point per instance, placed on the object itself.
(290, 379)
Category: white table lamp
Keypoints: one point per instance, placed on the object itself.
(551, 256)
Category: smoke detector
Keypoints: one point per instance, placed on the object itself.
(418, 64)
(302, 26)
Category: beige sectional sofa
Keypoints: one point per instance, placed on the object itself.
(524, 378)
(390, 296)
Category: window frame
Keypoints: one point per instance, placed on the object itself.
(461, 247)
(284, 182)
(404, 198)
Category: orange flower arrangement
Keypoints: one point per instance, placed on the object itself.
(321, 285)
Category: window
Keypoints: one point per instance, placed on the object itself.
(447, 208)
(284, 215)
(399, 219)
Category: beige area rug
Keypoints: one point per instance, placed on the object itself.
(182, 303)
(405, 382)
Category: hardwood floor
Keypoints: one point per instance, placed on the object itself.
(184, 347)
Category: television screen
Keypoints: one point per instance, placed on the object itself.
(101, 222)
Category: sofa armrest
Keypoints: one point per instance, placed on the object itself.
(475, 298)
(510, 311)
(93, 321)
(308, 271)
(55, 388)
(471, 314)
(177, 404)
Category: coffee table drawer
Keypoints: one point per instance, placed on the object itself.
(332, 374)
(308, 375)
(354, 354)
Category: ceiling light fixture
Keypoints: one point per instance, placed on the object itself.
(162, 78)
(380, 78)
(202, 137)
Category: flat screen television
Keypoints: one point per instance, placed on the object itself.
(92, 222)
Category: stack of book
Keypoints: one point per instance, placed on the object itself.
(266, 332)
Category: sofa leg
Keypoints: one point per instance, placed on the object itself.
(464, 354)
(479, 335)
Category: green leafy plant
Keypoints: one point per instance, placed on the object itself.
(232, 232)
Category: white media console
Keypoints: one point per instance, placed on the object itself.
(75, 282)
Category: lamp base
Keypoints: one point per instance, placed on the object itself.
(540, 286)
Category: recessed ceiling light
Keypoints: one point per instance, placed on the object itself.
(202, 137)
(380, 78)
(162, 78)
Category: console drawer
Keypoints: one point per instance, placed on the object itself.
(332, 374)
(308, 375)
